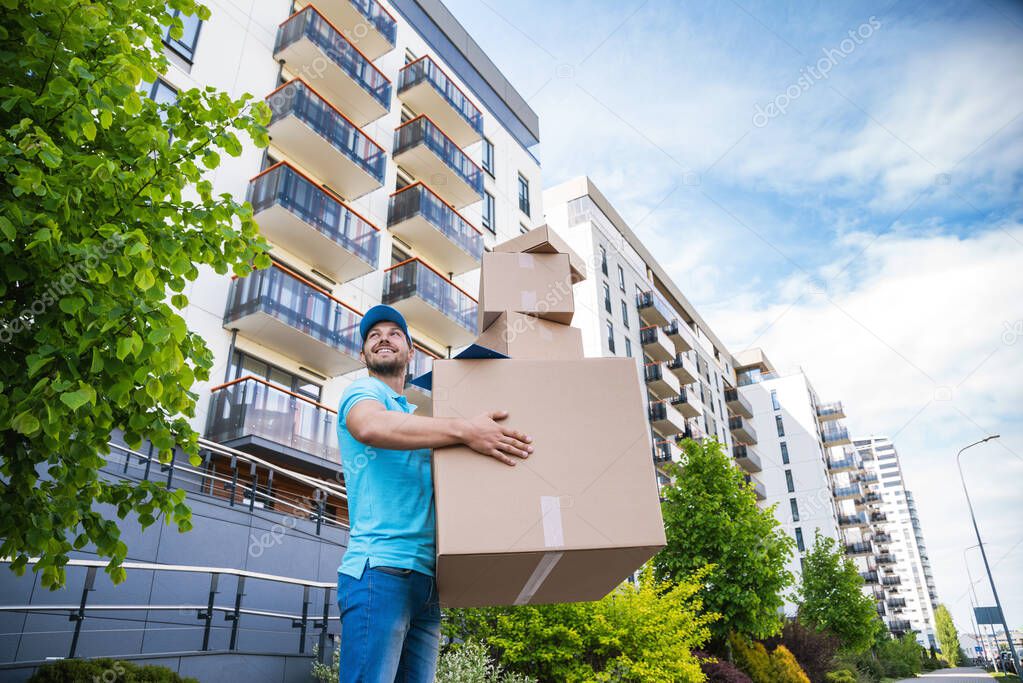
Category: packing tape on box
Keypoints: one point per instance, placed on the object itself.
(553, 537)
(527, 261)
(529, 300)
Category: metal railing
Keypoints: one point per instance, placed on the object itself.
(309, 23)
(414, 278)
(652, 297)
(425, 69)
(381, 19)
(421, 130)
(828, 409)
(851, 490)
(418, 199)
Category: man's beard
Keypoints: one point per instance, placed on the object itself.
(395, 366)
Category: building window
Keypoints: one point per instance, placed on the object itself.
(607, 298)
(489, 219)
(795, 509)
(621, 278)
(799, 540)
(628, 347)
(488, 157)
(610, 337)
(780, 425)
(161, 93)
(790, 485)
(185, 45)
(774, 399)
(523, 195)
(784, 453)
(625, 314)
(603, 259)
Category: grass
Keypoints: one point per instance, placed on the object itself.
(1006, 678)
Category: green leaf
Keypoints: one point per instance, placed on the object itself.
(25, 423)
(154, 388)
(76, 399)
(89, 129)
(72, 304)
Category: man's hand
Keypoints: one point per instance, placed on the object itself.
(484, 435)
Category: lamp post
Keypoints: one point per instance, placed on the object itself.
(973, 605)
(983, 553)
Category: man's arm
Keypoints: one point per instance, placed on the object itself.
(372, 424)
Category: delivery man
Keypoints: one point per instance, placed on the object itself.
(390, 616)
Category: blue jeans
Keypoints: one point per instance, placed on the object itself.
(390, 626)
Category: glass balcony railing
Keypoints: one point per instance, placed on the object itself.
(425, 69)
(296, 98)
(843, 464)
(309, 24)
(878, 517)
(835, 434)
(891, 581)
(421, 363)
(746, 453)
(282, 185)
(896, 602)
(652, 299)
(832, 409)
(859, 519)
(250, 406)
(853, 548)
(422, 131)
(280, 294)
(381, 19)
(417, 199)
(662, 451)
(413, 278)
(847, 491)
(737, 423)
(869, 577)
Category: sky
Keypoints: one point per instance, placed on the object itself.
(836, 183)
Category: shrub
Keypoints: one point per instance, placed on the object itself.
(786, 668)
(752, 658)
(720, 671)
(470, 663)
(326, 673)
(814, 650)
(77, 670)
(900, 658)
(840, 676)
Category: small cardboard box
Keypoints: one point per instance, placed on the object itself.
(518, 335)
(570, 522)
(537, 284)
(543, 240)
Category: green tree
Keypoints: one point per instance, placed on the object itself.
(106, 216)
(948, 636)
(832, 599)
(637, 633)
(711, 518)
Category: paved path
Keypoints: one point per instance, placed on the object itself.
(970, 675)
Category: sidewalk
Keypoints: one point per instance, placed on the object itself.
(967, 675)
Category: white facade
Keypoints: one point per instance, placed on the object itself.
(239, 50)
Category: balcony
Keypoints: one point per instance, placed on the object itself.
(423, 150)
(255, 416)
(891, 581)
(687, 402)
(857, 520)
(896, 602)
(430, 302)
(835, 435)
(870, 577)
(363, 22)
(882, 538)
(899, 626)
(288, 314)
(665, 419)
(693, 430)
(656, 344)
(742, 429)
(868, 477)
(293, 211)
(684, 369)
(848, 492)
(653, 309)
(659, 382)
(737, 403)
(864, 548)
(878, 517)
(747, 457)
(421, 363)
(830, 411)
(846, 464)
(424, 87)
(439, 233)
(758, 487)
(311, 131)
(313, 48)
(679, 334)
(666, 451)
(886, 558)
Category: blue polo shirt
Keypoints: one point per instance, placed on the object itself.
(390, 493)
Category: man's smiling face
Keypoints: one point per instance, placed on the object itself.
(386, 350)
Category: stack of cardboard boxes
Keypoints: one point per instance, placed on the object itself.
(582, 513)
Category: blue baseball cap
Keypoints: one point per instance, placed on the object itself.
(383, 313)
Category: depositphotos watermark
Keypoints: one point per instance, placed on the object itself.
(58, 288)
(809, 75)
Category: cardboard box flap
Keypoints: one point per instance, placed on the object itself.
(543, 240)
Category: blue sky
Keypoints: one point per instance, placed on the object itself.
(870, 234)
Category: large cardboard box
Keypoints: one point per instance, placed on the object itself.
(537, 284)
(543, 240)
(568, 523)
(518, 335)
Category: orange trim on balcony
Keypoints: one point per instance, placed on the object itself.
(437, 272)
(313, 285)
(318, 185)
(327, 102)
(275, 387)
(453, 209)
(441, 131)
(450, 80)
(341, 33)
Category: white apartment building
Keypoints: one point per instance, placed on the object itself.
(398, 154)
(793, 442)
(629, 306)
(909, 598)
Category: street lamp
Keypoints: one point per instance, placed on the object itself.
(983, 553)
(973, 614)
